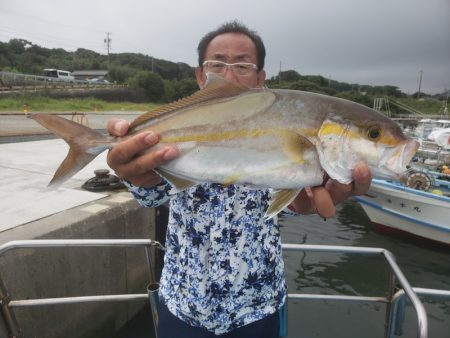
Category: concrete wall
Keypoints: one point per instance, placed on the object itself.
(65, 272)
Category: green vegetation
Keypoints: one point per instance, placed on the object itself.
(363, 94)
(46, 104)
(425, 105)
(165, 81)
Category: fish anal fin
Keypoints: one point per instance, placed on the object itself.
(178, 183)
(216, 88)
(280, 200)
(230, 180)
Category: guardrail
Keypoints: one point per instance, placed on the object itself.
(16, 81)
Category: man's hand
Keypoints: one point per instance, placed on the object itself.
(133, 159)
(323, 200)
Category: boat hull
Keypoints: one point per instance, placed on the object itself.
(403, 209)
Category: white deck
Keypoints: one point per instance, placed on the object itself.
(25, 170)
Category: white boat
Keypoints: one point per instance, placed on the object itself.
(434, 139)
(397, 207)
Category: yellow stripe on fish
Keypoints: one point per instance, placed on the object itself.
(337, 129)
(292, 143)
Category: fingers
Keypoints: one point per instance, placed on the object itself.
(339, 192)
(315, 200)
(323, 200)
(117, 127)
(323, 203)
(146, 162)
(134, 159)
(362, 179)
(126, 150)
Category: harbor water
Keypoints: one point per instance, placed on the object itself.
(425, 265)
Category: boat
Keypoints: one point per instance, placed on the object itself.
(421, 207)
(434, 139)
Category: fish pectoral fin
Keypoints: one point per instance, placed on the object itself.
(178, 183)
(295, 146)
(280, 200)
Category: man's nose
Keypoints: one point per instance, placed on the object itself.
(229, 74)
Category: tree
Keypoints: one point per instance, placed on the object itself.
(152, 83)
(18, 46)
(120, 73)
(177, 89)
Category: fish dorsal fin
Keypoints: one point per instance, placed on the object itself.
(216, 88)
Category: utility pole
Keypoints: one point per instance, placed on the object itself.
(279, 74)
(108, 43)
(420, 82)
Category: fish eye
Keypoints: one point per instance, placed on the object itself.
(374, 133)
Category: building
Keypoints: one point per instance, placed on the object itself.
(89, 74)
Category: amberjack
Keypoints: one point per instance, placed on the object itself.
(264, 138)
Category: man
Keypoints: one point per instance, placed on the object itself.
(223, 268)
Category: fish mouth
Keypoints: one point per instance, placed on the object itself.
(397, 159)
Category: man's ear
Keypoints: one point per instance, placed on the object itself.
(261, 79)
(200, 76)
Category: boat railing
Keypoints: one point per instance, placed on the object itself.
(7, 304)
(396, 276)
(393, 298)
(398, 304)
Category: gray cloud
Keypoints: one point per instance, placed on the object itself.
(373, 42)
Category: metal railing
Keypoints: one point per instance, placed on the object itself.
(398, 303)
(7, 304)
(391, 300)
(395, 271)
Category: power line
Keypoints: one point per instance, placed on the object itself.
(44, 39)
(83, 28)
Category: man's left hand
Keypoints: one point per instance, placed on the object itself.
(323, 200)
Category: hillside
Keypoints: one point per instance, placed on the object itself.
(167, 81)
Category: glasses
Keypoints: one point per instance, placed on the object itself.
(238, 68)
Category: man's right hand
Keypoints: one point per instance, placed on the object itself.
(133, 160)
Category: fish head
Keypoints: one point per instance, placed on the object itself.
(344, 142)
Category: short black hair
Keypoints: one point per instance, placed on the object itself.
(232, 27)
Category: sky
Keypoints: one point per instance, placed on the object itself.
(404, 43)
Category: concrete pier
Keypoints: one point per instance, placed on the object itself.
(29, 210)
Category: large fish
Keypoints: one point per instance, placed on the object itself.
(279, 139)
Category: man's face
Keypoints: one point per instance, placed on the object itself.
(233, 48)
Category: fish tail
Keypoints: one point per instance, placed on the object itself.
(85, 144)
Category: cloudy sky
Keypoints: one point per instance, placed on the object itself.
(376, 42)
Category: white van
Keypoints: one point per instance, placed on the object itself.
(59, 74)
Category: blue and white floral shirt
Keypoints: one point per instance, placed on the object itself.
(223, 266)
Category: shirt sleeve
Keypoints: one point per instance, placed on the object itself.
(150, 197)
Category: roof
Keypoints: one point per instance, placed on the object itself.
(90, 72)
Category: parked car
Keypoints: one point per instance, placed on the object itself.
(98, 80)
(58, 75)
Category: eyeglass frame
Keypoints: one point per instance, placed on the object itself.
(231, 66)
